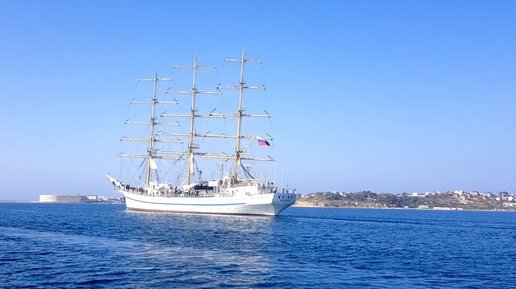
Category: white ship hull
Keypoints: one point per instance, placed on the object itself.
(263, 204)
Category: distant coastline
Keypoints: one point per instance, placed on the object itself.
(70, 199)
(310, 206)
(447, 201)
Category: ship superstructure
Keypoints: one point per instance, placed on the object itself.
(231, 193)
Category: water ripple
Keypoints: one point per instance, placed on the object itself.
(85, 246)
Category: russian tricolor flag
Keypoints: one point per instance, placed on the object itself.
(262, 142)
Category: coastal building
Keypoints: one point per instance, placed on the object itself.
(91, 198)
(458, 192)
(60, 198)
(474, 194)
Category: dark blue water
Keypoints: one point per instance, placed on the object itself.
(104, 246)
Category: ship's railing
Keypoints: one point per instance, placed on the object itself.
(262, 189)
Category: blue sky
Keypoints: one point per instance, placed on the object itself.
(389, 96)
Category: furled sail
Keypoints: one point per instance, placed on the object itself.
(153, 165)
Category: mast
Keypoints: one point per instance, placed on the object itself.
(192, 146)
(151, 152)
(240, 113)
(239, 120)
(192, 125)
(150, 147)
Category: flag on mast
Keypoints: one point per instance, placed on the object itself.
(262, 142)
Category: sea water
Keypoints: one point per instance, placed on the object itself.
(105, 246)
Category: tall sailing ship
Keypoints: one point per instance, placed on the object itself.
(234, 192)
